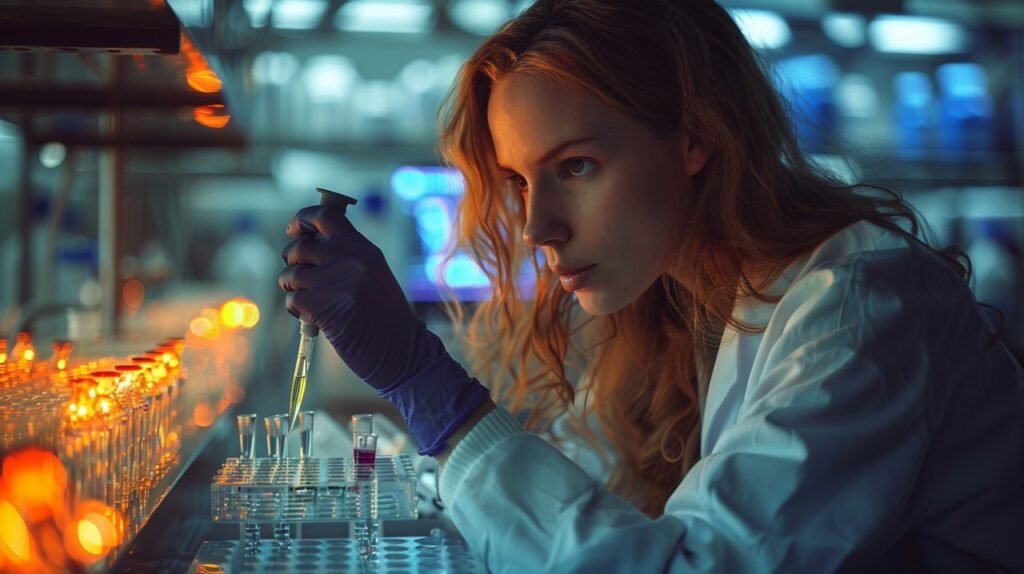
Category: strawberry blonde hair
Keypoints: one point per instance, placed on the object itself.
(672, 65)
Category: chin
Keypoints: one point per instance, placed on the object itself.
(598, 304)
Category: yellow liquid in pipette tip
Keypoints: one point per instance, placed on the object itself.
(298, 391)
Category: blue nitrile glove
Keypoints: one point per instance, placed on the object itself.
(338, 280)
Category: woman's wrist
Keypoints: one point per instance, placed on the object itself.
(436, 402)
(478, 415)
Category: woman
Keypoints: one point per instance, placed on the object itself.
(787, 379)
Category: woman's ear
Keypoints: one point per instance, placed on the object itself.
(696, 151)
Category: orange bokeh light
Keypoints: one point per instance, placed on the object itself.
(250, 315)
(95, 529)
(90, 537)
(199, 76)
(51, 545)
(15, 542)
(232, 314)
(203, 415)
(213, 116)
(38, 480)
(202, 80)
(132, 294)
(203, 327)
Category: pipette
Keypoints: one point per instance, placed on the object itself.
(308, 331)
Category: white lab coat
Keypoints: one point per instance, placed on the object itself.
(870, 427)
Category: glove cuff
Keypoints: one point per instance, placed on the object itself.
(435, 402)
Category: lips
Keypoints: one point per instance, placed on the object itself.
(573, 279)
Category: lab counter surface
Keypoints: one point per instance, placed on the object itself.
(182, 535)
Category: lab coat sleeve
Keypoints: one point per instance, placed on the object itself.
(814, 476)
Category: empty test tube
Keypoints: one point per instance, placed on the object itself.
(305, 423)
(247, 443)
(277, 431)
(247, 435)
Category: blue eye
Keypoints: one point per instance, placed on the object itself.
(578, 166)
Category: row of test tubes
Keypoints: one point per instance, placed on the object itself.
(113, 421)
(277, 448)
(365, 528)
(276, 427)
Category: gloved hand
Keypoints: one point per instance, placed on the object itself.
(338, 280)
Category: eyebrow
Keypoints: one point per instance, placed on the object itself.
(554, 151)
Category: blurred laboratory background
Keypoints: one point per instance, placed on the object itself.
(152, 153)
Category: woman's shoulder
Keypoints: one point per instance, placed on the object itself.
(862, 243)
(859, 262)
(868, 259)
(871, 280)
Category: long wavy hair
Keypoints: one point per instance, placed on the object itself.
(758, 203)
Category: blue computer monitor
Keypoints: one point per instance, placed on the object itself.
(430, 194)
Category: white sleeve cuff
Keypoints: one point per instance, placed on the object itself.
(498, 425)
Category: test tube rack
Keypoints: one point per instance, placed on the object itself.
(297, 490)
(407, 555)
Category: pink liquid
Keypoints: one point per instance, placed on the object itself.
(364, 458)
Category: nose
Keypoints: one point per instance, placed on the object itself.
(545, 225)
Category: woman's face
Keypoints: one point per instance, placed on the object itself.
(604, 195)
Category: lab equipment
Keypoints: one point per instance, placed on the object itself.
(367, 319)
(268, 491)
(247, 447)
(914, 113)
(61, 354)
(306, 419)
(435, 553)
(24, 351)
(965, 104)
(96, 419)
(247, 435)
(361, 424)
(308, 331)
(366, 526)
(303, 357)
(277, 432)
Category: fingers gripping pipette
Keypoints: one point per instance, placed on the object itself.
(308, 331)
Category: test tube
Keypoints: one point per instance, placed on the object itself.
(24, 351)
(61, 354)
(305, 422)
(247, 435)
(366, 526)
(277, 431)
(247, 444)
(361, 424)
(364, 452)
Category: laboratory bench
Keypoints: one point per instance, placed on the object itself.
(119, 459)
